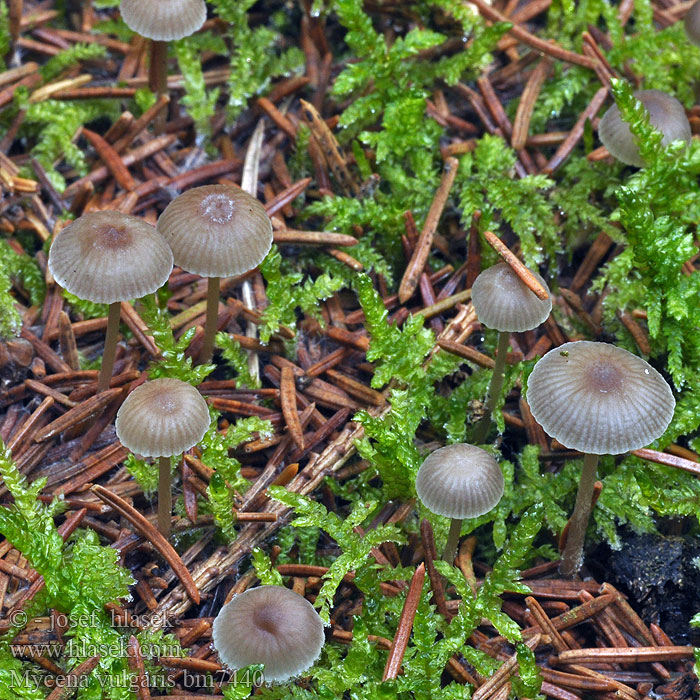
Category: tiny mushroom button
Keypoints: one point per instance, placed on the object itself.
(459, 481)
(162, 418)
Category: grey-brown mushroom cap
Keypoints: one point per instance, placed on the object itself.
(459, 481)
(164, 20)
(107, 256)
(269, 625)
(666, 113)
(504, 302)
(216, 231)
(598, 398)
(162, 418)
(692, 24)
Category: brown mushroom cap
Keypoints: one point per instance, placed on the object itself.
(666, 113)
(598, 398)
(162, 418)
(692, 24)
(502, 300)
(107, 256)
(216, 231)
(269, 625)
(164, 20)
(460, 481)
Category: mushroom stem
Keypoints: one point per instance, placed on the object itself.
(110, 347)
(497, 378)
(158, 79)
(165, 498)
(452, 540)
(212, 321)
(572, 557)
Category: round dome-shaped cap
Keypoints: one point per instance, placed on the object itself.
(666, 113)
(269, 625)
(216, 231)
(460, 481)
(162, 418)
(107, 256)
(692, 24)
(598, 398)
(164, 20)
(502, 300)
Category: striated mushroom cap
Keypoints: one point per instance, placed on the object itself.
(269, 625)
(598, 398)
(162, 418)
(503, 302)
(460, 481)
(216, 231)
(692, 24)
(164, 20)
(107, 256)
(666, 113)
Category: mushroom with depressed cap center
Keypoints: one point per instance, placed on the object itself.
(216, 231)
(459, 481)
(108, 257)
(504, 302)
(598, 399)
(269, 625)
(162, 418)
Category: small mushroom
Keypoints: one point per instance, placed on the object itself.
(459, 481)
(269, 625)
(502, 301)
(162, 21)
(216, 231)
(666, 113)
(162, 418)
(109, 257)
(692, 24)
(598, 399)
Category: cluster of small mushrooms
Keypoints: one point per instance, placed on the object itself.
(590, 396)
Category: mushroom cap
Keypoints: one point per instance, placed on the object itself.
(460, 481)
(269, 625)
(162, 418)
(504, 302)
(666, 113)
(164, 20)
(598, 398)
(107, 256)
(692, 24)
(216, 231)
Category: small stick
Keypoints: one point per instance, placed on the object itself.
(428, 539)
(546, 47)
(629, 654)
(111, 159)
(464, 561)
(288, 235)
(76, 415)
(667, 459)
(135, 658)
(289, 406)
(144, 528)
(468, 353)
(403, 630)
(71, 680)
(521, 123)
(576, 132)
(526, 277)
(425, 241)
